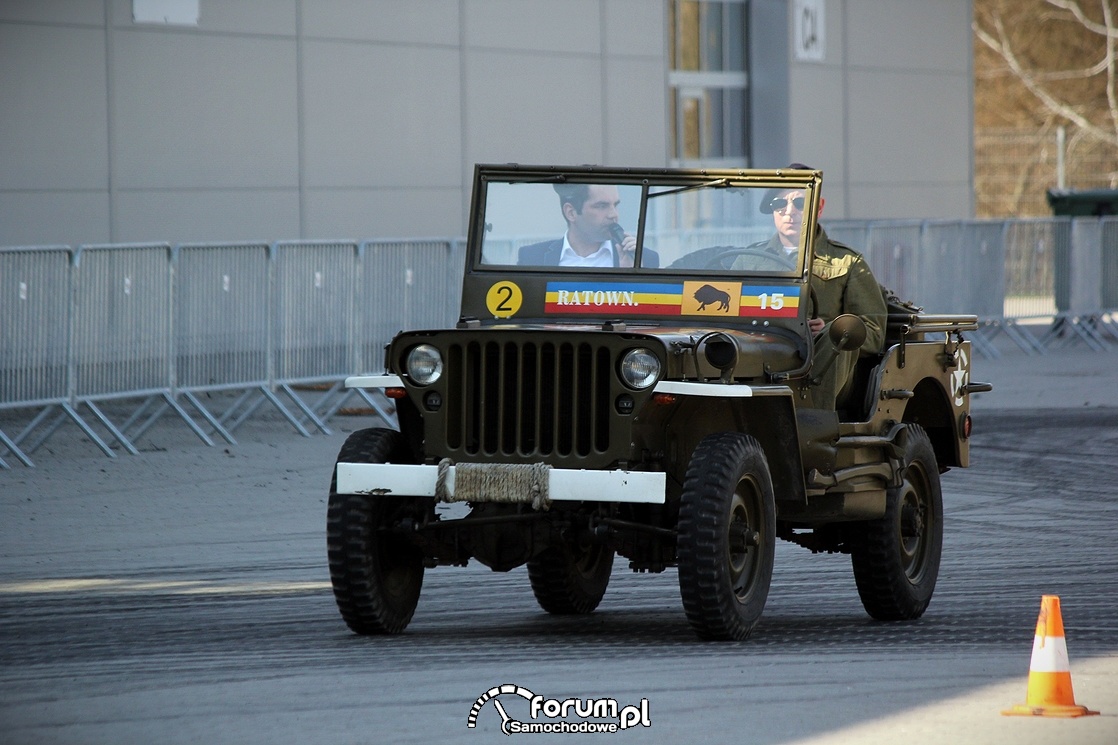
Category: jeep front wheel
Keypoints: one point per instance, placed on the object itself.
(727, 536)
(896, 558)
(376, 574)
(571, 578)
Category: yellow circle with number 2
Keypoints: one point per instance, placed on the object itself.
(504, 299)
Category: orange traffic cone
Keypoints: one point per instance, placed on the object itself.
(1050, 693)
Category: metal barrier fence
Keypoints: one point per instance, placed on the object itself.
(156, 329)
(34, 335)
(222, 327)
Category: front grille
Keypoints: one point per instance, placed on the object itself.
(528, 398)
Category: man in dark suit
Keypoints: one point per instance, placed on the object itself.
(593, 238)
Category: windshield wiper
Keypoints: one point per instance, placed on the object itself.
(717, 183)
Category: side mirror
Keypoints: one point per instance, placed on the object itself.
(847, 333)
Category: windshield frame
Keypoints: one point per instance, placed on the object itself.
(649, 187)
(507, 291)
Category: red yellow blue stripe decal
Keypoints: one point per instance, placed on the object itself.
(691, 298)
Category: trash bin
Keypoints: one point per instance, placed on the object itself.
(1085, 203)
(1088, 203)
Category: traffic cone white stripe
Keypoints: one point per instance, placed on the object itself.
(1050, 655)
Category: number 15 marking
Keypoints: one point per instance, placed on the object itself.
(775, 301)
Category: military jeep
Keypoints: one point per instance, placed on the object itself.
(653, 402)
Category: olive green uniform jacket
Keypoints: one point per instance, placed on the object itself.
(841, 282)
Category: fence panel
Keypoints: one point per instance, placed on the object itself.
(34, 333)
(122, 336)
(1034, 286)
(1109, 274)
(853, 233)
(407, 284)
(221, 315)
(893, 253)
(381, 304)
(122, 320)
(222, 322)
(315, 323)
(939, 271)
(982, 265)
(962, 268)
(314, 300)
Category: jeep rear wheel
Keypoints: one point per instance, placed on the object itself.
(376, 574)
(571, 578)
(896, 558)
(727, 536)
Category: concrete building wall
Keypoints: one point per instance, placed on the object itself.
(279, 119)
(888, 113)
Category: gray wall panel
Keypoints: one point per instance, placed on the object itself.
(909, 34)
(363, 123)
(889, 108)
(907, 127)
(176, 215)
(570, 26)
(384, 213)
(52, 108)
(636, 27)
(204, 111)
(277, 119)
(272, 17)
(429, 22)
(518, 110)
(636, 96)
(916, 198)
(817, 119)
(54, 11)
(59, 217)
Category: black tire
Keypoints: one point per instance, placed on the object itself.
(376, 575)
(727, 536)
(571, 578)
(896, 559)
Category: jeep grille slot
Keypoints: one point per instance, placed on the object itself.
(528, 398)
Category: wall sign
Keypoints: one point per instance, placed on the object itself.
(808, 24)
(165, 12)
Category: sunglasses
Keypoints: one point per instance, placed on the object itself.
(778, 204)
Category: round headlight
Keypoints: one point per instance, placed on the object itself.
(640, 368)
(425, 364)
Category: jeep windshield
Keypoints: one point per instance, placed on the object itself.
(678, 222)
(576, 245)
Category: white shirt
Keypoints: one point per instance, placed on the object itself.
(602, 257)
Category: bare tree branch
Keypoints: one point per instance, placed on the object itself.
(1111, 101)
(1000, 44)
(1072, 7)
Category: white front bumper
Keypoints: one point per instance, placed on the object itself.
(564, 484)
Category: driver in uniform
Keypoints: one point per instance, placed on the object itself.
(841, 282)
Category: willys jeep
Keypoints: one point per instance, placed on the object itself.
(656, 405)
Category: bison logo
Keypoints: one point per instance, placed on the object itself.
(707, 295)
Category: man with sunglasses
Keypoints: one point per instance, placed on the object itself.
(841, 282)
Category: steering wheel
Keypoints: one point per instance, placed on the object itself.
(778, 263)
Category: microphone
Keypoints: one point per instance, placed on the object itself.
(617, 234)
